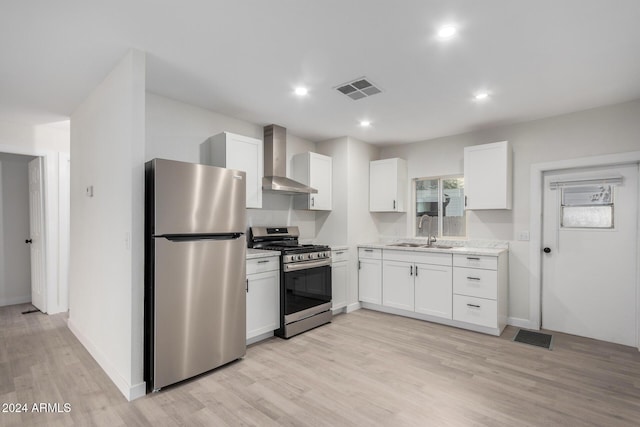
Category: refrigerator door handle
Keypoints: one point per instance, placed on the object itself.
(192, 237)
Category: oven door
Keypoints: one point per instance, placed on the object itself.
(306, 286)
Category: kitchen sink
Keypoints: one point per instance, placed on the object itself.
(437, 246)
(419, 245)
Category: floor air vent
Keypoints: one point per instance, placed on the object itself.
(534, 338)
(358, 89)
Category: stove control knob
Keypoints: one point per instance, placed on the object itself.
(300, 257)
(313, 256)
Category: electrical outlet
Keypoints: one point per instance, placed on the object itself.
(523, 236)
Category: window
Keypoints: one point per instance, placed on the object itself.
(440, 207)
(588, 206)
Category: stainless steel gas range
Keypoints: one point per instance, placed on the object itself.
(305, 278)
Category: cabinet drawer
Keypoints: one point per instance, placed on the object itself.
(476, 261)
(479, 311)
(475, 282)
(340, 255)
(261, 265)
(370, 253)
(421, 257)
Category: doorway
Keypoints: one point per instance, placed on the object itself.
(589, 256)
(536, 226)
(15, 258)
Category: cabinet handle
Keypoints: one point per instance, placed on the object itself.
(247, 285)
(473, 278)
(313, 201)
(465, 201)
(394, 204)
(359, 268)
(339, 253)
(473, 258)
(411, 270)
(368, 250)
(416, 271)
(263, 261)
(473, 305)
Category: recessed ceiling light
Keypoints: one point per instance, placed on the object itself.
(301, 91)
(365, 123)
(481, 96)
(446, 32)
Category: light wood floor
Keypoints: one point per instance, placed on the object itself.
(365, 368)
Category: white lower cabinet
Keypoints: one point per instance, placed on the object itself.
(423, 285)
(339, 278)
(480, 290)
(479, 311)
(263, 297)
(433, 290)
(397, 285)
(467, 291)
(370, 275)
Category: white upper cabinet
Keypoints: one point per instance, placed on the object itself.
(487, 176)
(314, 170)
(388, 185)
(228, 150)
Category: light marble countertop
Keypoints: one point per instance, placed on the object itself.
(260, 253)
(461, 250)
(339, 247)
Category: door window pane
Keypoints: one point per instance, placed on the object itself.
(587, 216)
(587, 206)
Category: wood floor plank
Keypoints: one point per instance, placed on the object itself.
(364, 369)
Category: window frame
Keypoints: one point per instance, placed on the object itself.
(414, 201)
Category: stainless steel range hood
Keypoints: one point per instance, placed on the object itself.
(275, 164)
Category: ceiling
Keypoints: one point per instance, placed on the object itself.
(244, 59)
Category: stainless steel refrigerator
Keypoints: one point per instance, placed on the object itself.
(195, 250)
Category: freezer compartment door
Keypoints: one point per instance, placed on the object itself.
(200, 307)
(190, 198)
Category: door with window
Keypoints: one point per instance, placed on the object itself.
(590, 221)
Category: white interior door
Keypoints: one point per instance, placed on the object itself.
(590, 253)
(36, 238)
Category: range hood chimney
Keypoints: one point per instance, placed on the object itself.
(275, 164)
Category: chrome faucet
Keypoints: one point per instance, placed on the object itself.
(430, 239)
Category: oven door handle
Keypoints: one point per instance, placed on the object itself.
(306, 265)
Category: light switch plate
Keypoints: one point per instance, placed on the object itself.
(523, 236)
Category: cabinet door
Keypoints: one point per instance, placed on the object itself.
(433, 294)
(339, 274)
(320, 171)
(370, 281)
(263, 303)
(382, 186)
(487, 176)
(245, 154)
(397, 285)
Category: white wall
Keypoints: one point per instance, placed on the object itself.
(15, 259)
(611, 129)
(106, 265)
(177, 131)
(49, 141)
(349, 222)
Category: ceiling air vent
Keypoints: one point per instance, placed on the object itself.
(358, 89)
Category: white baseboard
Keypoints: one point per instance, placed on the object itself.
(15, 300)
(130, 392)
(518, 323)
(260, 337)
(353, 307)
